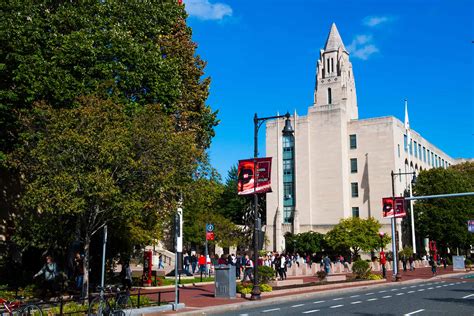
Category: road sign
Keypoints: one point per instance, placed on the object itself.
(210, 236)
(209, 227)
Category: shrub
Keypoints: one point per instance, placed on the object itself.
(449, 261)
(468, 262)
(361, 269)
(265, 288)
(244, 287)
(372, 276)
(70, 308)
(144, 300)
(265, 274)
(321, 275)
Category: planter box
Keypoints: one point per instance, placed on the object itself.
(335, 277)
(285, 282)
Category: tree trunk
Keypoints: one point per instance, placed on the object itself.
(85, 284)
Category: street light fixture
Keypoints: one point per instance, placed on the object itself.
(287, 130)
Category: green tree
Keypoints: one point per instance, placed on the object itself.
(308, 242)
(356, 234)
(96, 164)
(445, 220)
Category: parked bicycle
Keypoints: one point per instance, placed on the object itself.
(106, 304)
(18, 308)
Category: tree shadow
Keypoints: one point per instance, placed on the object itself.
(454, 301)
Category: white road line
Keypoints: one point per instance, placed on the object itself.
(400, 293)
(464, 281)
(317, 302)
(430, 288)
(271, 310)
(413, 286)
(421, 290)
(311, 311)
(411, 292)
(387, 296)
(337, 299)
(335, 306)
(404, 287)
(451, 284)
(297, 305)
(372, 299)
(382, 291)
(394, 290)
(415, 312)
(445, 285)
(356, 302)
(369, 293)
(243, 314)
(468, 295)
(438, 286)
(355, 295)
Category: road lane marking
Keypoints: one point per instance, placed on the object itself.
(451, 284)
(403, 288)
(243, 314)
(311, 311)
(337, 299)
(372, 299)
(369, 293)
(318, 302)
(356, 302)
(438, 286)
(445, 285)
(415, 312)
(430, 288)
(394, 290)
(413, 286)
(382, 291)
(468, 295)
(335, 306)
(387, 296)
(297, 305)
(464, 281)
(355, 295)
(411, 291)
(400, 293)
(421, 290)
(271, 310)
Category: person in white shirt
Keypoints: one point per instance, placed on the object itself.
(248, 269)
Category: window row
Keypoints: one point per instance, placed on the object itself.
(423, 154)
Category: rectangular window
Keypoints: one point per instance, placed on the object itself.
(429, 158)
(424, 153)
(405, 142)
(329, 69)
(287, 214)
(398, 150)
(432, 159)
(411, 147)
(353, 141)
(355, 212)
(354, 189)
(419, 151)
(400, 171)
(416, 147)
(332, 64)
(329, 96)
(442, 163)
(353, 165)
(288, 195)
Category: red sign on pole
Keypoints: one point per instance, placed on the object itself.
(209, 235)
(391, 205)
(246, 178)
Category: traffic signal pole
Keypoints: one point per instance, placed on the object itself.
(394, 239)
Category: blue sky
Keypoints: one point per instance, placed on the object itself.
(261, 57)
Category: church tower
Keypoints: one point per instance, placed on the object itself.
(335, 86)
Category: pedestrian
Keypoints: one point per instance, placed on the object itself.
(186, 263)
(282, 267)
(79, 272)
(327, 264)
(411, 260)
(433, 265)
(238, 266)
(404, 262)
(126, 274)
(160, 262)
(49, 271)
(383, 261)
(222, 260)
(194, 262)
(248, 269)
(445, 262)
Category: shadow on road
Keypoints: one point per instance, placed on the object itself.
(454, 301)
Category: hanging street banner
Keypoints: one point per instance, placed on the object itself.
(470, 225)
(246, 176)
(210, 236)
(391, 205)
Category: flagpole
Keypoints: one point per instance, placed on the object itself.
(412, 217)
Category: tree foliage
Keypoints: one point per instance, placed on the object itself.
(308, 242)
(445, 220)
(356, 234)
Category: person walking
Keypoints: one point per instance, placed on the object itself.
(79, 272)
(411, 260)
(404, 263)
(126, 274)
(327, 264)
(248, 269)
(49, 271)
(194, 261)
(433, 265)
(282, 267)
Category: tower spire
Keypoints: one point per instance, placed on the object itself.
(334, 40)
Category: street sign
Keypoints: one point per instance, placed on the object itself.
(209, 227)
(391, 205)
(210, 236)
(470, 225)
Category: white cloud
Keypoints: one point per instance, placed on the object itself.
(373, 21)
(204, 10)
(362, 47)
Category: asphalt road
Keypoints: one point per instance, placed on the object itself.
(437, 297)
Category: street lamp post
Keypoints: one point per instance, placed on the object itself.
(258, 121)
(394, 223)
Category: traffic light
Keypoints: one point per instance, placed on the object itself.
(387, 205)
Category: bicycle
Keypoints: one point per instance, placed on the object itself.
(16, 308)
(103, 304)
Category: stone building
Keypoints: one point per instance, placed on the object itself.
(336, 165)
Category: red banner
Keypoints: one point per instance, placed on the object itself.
(246, 184)
(390, 205)
(209, 235)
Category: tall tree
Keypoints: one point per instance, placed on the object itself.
(87, 166)
(445, 220)
(356, 234)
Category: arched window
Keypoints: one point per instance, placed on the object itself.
(329, 96)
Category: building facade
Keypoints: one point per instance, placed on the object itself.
(335, 165)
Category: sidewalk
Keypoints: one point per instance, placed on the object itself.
(199, 298)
